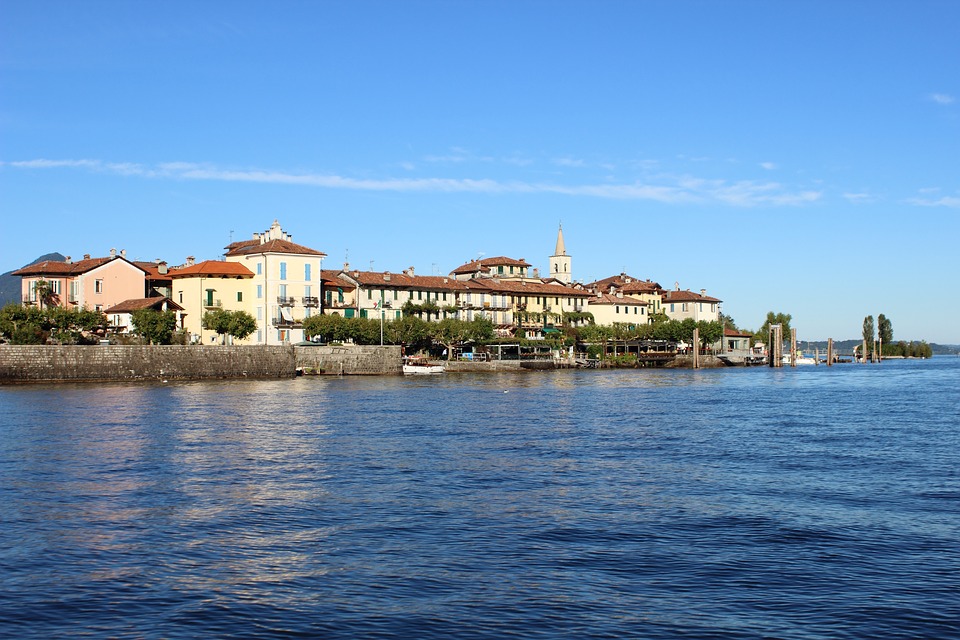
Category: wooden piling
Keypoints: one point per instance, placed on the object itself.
(793, 346)
(829, 352)
(696, 348)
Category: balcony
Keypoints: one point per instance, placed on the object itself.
(283, 323)
(286, 301)
(212, 304)
(309, 301)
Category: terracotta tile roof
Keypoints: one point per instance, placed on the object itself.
(212, 268)
(734, 333)
(641, 286)
(58, 268)
(606, 298)
(331, 278)
(129, 306)
(526, 287)
(687, 296)
(486, 263)
(249, 247)
(380, 279)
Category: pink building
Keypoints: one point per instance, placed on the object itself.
(91, 283)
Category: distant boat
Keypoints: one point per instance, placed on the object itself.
(801, 359)
(416, 365)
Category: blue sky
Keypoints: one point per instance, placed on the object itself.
(796, 157)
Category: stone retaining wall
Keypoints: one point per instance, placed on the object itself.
(23, 363)
(349, 360)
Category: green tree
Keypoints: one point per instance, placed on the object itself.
(885, 329)
(45, 295)
(156, 327)
(868, 333)
(242, 324)
(451, 332)
(329, 328)
(783, 319)
(74, 326)
(710, 332)
(23, 324)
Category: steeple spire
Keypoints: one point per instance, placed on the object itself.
(561, 250)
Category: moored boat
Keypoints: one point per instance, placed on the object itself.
(416, 365)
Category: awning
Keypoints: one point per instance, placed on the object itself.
(285, 314)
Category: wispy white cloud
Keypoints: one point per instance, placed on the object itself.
(858, 198)
(665, 188)
(569, 162)
(769, 166)
(951, 202)
(941, 98)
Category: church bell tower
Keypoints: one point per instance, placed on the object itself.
(560, 261)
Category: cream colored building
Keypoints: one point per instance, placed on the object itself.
(616, 308)
(680, 305)
(286, 285)
(208, 286)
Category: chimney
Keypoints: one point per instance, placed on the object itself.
(68, 260)
(410, 272)
(536, 273)
(677, 285)
(703, 292)
(386, 276)
(346, 266)
(123, 253)
(161, 267)
(620, 294)
(113, 253)
(86, 256)
(190, 261)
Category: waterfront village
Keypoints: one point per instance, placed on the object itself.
(281, 284)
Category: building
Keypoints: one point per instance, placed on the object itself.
(120, 316)
(92, 283)
(560, 262)
(207, 286)
(616, 308)
(680, 305)
(286, 286)
(499, 267)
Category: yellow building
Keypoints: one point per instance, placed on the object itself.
(207, 286)
(286, 285)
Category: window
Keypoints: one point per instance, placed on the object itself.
(283, 270)
(395, 292)
(500, 269)
(307, 290)
(283, 291)
(209, 297)
(259, 273)
(339, 294)
(617, 308)
(369, 294)
(259, 317)
(307, 312)
(98, 308)
(98, 286)
(259, 291)
(180, 294)
(259, 335)
(671, 307)
(444, 296)
(239, 296)
(306, 272)
(419, 295)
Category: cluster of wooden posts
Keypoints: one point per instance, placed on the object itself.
(775, 352)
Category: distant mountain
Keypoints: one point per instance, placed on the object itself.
(10, 284)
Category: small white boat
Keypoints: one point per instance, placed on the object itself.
(415, 365)
(801, 359)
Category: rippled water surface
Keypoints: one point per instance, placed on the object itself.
(738, 503)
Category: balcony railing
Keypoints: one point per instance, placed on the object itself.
(286, 301)
(309, 301)
(212, 304)
(282, 323)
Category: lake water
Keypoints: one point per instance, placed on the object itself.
(738, 503)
